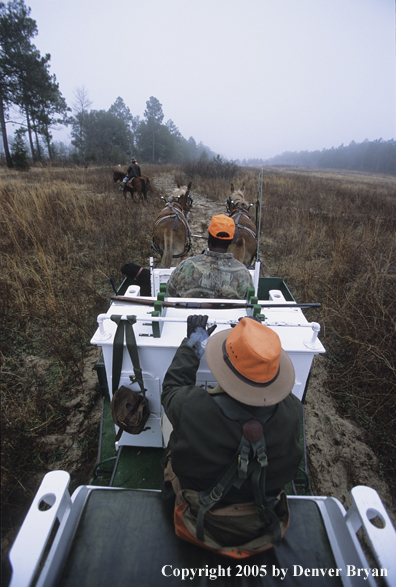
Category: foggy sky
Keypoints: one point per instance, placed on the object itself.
(248, 79)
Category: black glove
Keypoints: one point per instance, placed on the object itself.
(197, 333)
(198, 321)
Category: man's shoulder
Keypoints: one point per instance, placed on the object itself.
(292, 404)
(239, 264)
(192, 261)
(186, 263)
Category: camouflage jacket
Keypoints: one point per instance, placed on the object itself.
(210, 275)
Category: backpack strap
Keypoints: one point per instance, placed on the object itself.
(249, 461)
(118, 350)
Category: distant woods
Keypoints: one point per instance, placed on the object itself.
(30, 98)
(113, 136)
(371, 156)
(26, 86)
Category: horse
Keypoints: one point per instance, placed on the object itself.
(139, 185)
(181, 195)
(171, 232)
(244, 242)
(118, 175)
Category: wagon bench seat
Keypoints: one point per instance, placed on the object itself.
(122, 537)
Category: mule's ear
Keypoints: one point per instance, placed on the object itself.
(178, 184)
(243, 187)
(232, 188)
(189, 186)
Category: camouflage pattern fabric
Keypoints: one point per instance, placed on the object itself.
(210, 275)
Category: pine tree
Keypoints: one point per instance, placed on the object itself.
(19, 151)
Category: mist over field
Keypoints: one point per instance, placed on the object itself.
(248, 82)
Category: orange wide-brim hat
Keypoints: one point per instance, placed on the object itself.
(249, 363)
(222, 226)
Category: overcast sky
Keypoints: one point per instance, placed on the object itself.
(248, 79)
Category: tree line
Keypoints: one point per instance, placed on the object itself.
(26, 82)
(113, 136)
(98, 136)
(372, 156)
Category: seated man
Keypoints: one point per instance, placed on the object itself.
(215, 273)
(133, 170)
(253, 373)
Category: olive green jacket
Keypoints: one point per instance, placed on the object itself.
(204, 441)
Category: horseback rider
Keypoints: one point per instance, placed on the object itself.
(133, 170)
(214, 273)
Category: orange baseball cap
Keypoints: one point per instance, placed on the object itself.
(222, 224)
(249, 364)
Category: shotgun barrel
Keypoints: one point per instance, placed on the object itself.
(209, 305)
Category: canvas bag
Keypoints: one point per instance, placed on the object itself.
(236, 530)
(129, 409)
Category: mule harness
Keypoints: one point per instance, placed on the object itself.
(241, 212)
(177, 215)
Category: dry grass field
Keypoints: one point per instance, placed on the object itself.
(64, 232)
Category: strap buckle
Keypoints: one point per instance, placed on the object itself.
(213, 497)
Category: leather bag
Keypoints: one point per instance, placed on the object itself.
(129, 411)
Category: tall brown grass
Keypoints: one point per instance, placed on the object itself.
(333, 240)
(63, 234)
(65, 231)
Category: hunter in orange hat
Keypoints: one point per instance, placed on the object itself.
(238, 443)
(215, 273)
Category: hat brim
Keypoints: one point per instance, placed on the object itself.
(249, 394)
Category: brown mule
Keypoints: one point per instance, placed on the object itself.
(171, 232)
(244, 244)
(182, 196)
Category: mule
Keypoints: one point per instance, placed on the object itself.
(244, 243)
(181, 195)
(171, 231)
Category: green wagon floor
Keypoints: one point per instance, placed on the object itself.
(139, 467)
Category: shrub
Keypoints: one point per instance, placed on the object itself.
(19, 152)
(210, 169)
